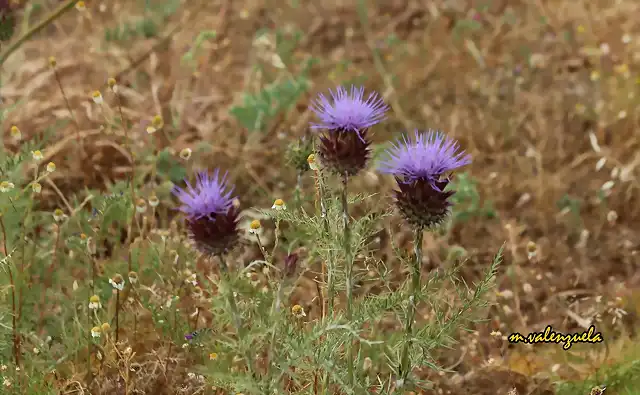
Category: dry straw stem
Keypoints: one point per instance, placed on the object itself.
(55, 14)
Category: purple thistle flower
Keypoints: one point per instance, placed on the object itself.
(419, 167)
(212, 219)
(346, 117)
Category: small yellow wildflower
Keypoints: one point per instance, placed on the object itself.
(81, 6)
(96, 331)
(37, 155)
(278, 204)
(254, 226)
(112, 84)
(154, 201)
(51, 167)
(313, 162)
(213, 356)
(58, 215)
(105, 327)
(595, 75)
(157, 122)
(298, 311)
(141, 206)
(52, 61)
(15, 133)
(185, 153)
(36, 187)
(97, 97)
(94, 302)
(580, 29)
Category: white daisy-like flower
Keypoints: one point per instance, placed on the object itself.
(94, 302)
(117, 282)
(37, 155)
(51, 167)
(6, 186)
(313, 162)
(279, 205)
(59, 215)
(255, 228)
(154, 201)
(36, 187)
(97, 97)
(96, 331)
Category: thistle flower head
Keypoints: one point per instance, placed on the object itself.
(212, 218)
(419, 167)
(348, 110)
(347, 117)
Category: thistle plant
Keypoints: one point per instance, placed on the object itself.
(420, 168)
(345, 150)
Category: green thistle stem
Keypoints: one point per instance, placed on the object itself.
(233, 307)
(405, 368)
(349, 266)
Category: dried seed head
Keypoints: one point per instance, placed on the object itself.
(91, 246)
(16, 135)
(97, 97)
(52, 61)
(105, 327)
(278, 204)
(133, 277)
(51, 167)
(36, 187)
(367, 364)
(185, 153)
(6, 186)
(612, 217)
(298, 311)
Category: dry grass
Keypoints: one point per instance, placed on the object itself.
(524, 85)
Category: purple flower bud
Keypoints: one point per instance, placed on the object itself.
(419, 168)
(212, 219)
(344, 148)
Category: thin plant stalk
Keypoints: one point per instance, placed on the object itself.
(349, 269)
(413, 300)
(14, 316)
(235, 313)
(117, 312)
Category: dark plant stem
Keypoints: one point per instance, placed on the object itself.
(405, 368)
(349, 268)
